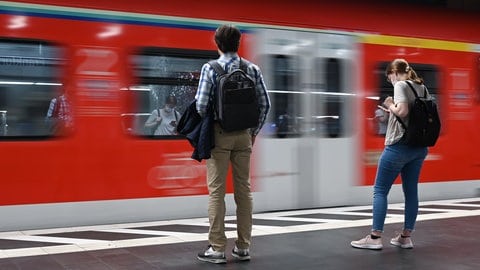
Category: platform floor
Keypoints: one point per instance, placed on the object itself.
(446, 237)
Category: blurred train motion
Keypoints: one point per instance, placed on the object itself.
(79, 78)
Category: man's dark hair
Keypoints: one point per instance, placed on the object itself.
(227, 38)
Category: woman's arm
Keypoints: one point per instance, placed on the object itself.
(400, 109)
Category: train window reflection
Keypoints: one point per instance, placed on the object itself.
(29, 80)
(286, 113)
(325, 96)
(429, 73)
(166, 81)
(330, 98)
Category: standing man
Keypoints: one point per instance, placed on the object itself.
(230, 147)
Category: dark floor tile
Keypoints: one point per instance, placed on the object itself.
(453, 207)
(124, 261)
(268, 222)
(331, 216)
(38, 263)
(12, 244)
(178, 228)
(400, 212)
(8, 265)
(108, 253)
(76, 259)
(184, 256)
(96, 235)
(94, 265)
(474, 202)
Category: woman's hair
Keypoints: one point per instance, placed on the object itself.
(227, 38)
(401, 66)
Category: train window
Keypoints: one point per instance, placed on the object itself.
(329, 98)
(165, 79)
(29, 79)
(429, 73)
(286, 114)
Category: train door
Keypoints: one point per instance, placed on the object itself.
(307, 156)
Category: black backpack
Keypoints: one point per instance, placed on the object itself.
(236, 101)
(423, 121)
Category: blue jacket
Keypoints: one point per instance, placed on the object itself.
(199, 131)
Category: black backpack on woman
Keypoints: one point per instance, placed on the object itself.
(423, 121)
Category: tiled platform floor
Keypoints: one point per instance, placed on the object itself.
(447, 237)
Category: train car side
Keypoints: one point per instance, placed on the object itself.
(449, 70)
(118, 61)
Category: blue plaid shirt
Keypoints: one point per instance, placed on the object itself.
(230, 61)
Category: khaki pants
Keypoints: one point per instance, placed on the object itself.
(234, 147)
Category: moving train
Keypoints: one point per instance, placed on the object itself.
(111, 63)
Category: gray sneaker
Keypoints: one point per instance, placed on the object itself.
(241, 254)
(368, 243)
(403, 242)
(212, 256)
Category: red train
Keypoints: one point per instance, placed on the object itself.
(116, 62)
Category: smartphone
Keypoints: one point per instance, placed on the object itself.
(383, 108)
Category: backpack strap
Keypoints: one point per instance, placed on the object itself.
(243, 65)
(217, 67)
(413, 89)
(416, 96)
(220, 71)
(425, 91)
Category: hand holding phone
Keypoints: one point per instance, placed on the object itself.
(383, 108)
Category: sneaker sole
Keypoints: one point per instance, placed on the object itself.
(373, 247)
(241, 258)
(397, 244)
(210, 260)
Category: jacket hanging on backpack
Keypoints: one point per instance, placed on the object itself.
(236, 102)
(423, 121)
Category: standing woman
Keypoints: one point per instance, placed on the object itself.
(397, 158)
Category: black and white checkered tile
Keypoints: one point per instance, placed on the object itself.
(88, 238)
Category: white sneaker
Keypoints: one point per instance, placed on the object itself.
(403, 242)
(212, 256)
(368, 243)
(241, 254)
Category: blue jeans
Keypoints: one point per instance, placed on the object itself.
(404, 160)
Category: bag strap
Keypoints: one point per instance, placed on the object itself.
(413, 89)
(243, 65)
(425, 91)
(217, 67)
(220, 71)
(416, 96)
